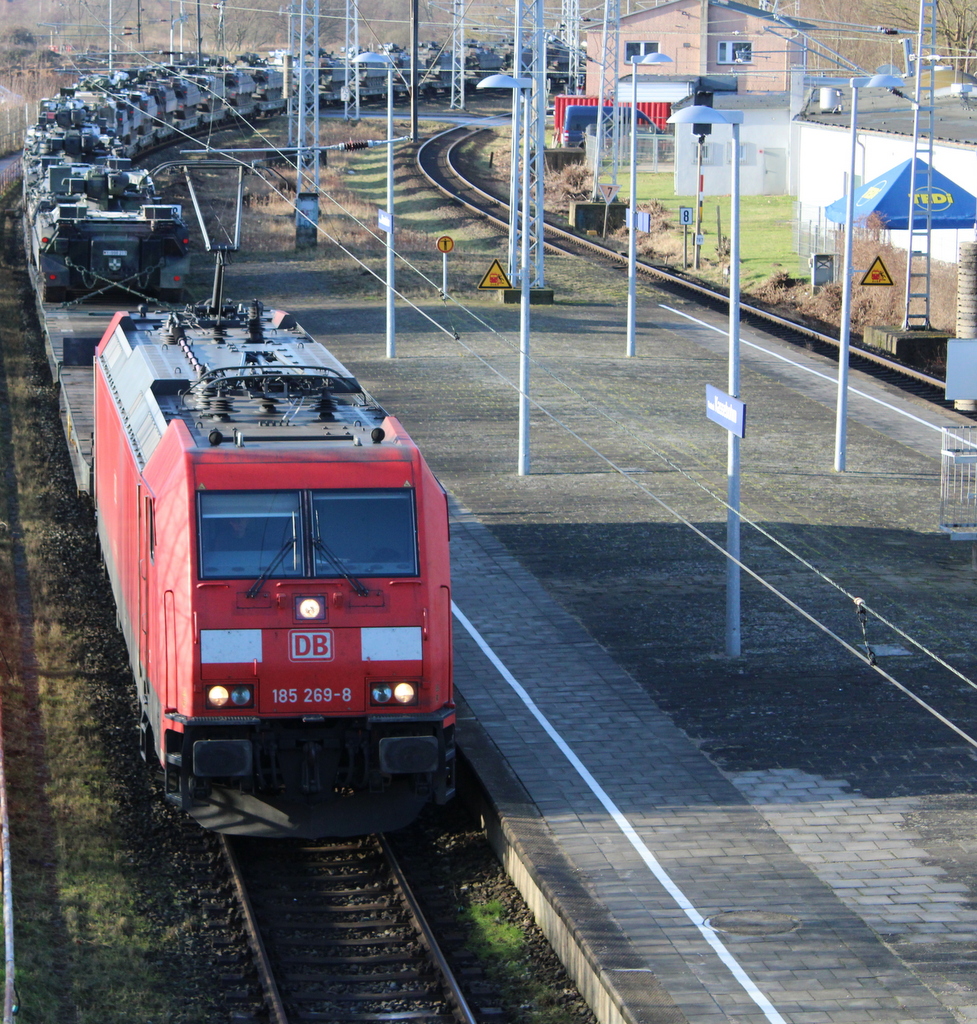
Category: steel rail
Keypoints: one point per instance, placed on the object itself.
(10, 993)
(452, 988)
(273, 997)
(440, 149)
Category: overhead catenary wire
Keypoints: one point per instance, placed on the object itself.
(860, 606)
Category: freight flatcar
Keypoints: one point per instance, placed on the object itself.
(278, 551)
(93, 221)
(92, 228)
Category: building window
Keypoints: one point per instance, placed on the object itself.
(639, 49)
(735, 53)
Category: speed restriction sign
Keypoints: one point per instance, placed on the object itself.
(446, 243)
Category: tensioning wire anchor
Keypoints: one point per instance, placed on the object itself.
(862, 612)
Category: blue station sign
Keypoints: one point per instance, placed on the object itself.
(725, 410)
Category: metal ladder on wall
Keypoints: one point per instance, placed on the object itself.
(919, 260)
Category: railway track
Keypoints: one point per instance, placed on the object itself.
(442, 162)
(337, 935)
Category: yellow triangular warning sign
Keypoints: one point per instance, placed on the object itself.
(495, 277)
(877, 274)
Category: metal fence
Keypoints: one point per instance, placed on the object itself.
(958, 482)
(655, 152)
(813, 234)
(10, 173)
(14, 121)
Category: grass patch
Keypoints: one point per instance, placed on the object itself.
(766, 227)
(501, 946)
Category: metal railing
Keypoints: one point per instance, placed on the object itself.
(655, 151)
(10, 174)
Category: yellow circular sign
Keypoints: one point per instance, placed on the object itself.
(446, 243)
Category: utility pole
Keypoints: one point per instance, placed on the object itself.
(414, 76)
(529, 61)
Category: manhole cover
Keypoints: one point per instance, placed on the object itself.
(753, 922)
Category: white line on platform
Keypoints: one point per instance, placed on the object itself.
(808, 369)
(734, 966)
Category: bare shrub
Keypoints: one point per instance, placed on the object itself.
(779, 290)
(661, 243)
(573, 183)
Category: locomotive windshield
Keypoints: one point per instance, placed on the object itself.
(245, 534)
(371, 533)
(283, 534)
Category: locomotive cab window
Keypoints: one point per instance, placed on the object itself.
(250, 533)
(366, 533)
(287, 534)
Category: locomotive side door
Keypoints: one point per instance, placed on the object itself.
(146, 557)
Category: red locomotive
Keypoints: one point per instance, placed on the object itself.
(278, 549)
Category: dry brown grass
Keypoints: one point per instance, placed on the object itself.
(345, 214)
(871, 306)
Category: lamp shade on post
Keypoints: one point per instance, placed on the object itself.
(516, 85)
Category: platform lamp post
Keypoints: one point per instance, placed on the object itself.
(382, 59)
(734, 118)
(844, 336)
(636, 62)
(522, 88)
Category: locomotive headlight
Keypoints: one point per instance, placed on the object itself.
(380, 693)
(310, 608)
(405, 693)
(218, 697)
(239, 696)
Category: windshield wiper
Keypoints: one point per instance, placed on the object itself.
(255, 587)
(319, 545)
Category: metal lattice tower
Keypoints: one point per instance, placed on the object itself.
(529, 61)
(918, 259)
(307, 94)
(351, 82)
(457, 55)
(305, 131)
(609, 123)
(570, 35)
(292, 97)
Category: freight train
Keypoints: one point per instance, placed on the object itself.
(94, 223)
(339, 79)
(278, 552)
(276, 544)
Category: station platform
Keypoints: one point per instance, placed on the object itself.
(676, 890)
(668, 888)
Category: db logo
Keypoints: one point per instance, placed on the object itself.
(315, 646)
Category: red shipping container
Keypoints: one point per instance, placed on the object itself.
(659, 113)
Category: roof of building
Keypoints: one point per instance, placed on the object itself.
(732, 5)
(955, 119)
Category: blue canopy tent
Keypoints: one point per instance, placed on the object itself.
(888, 196)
